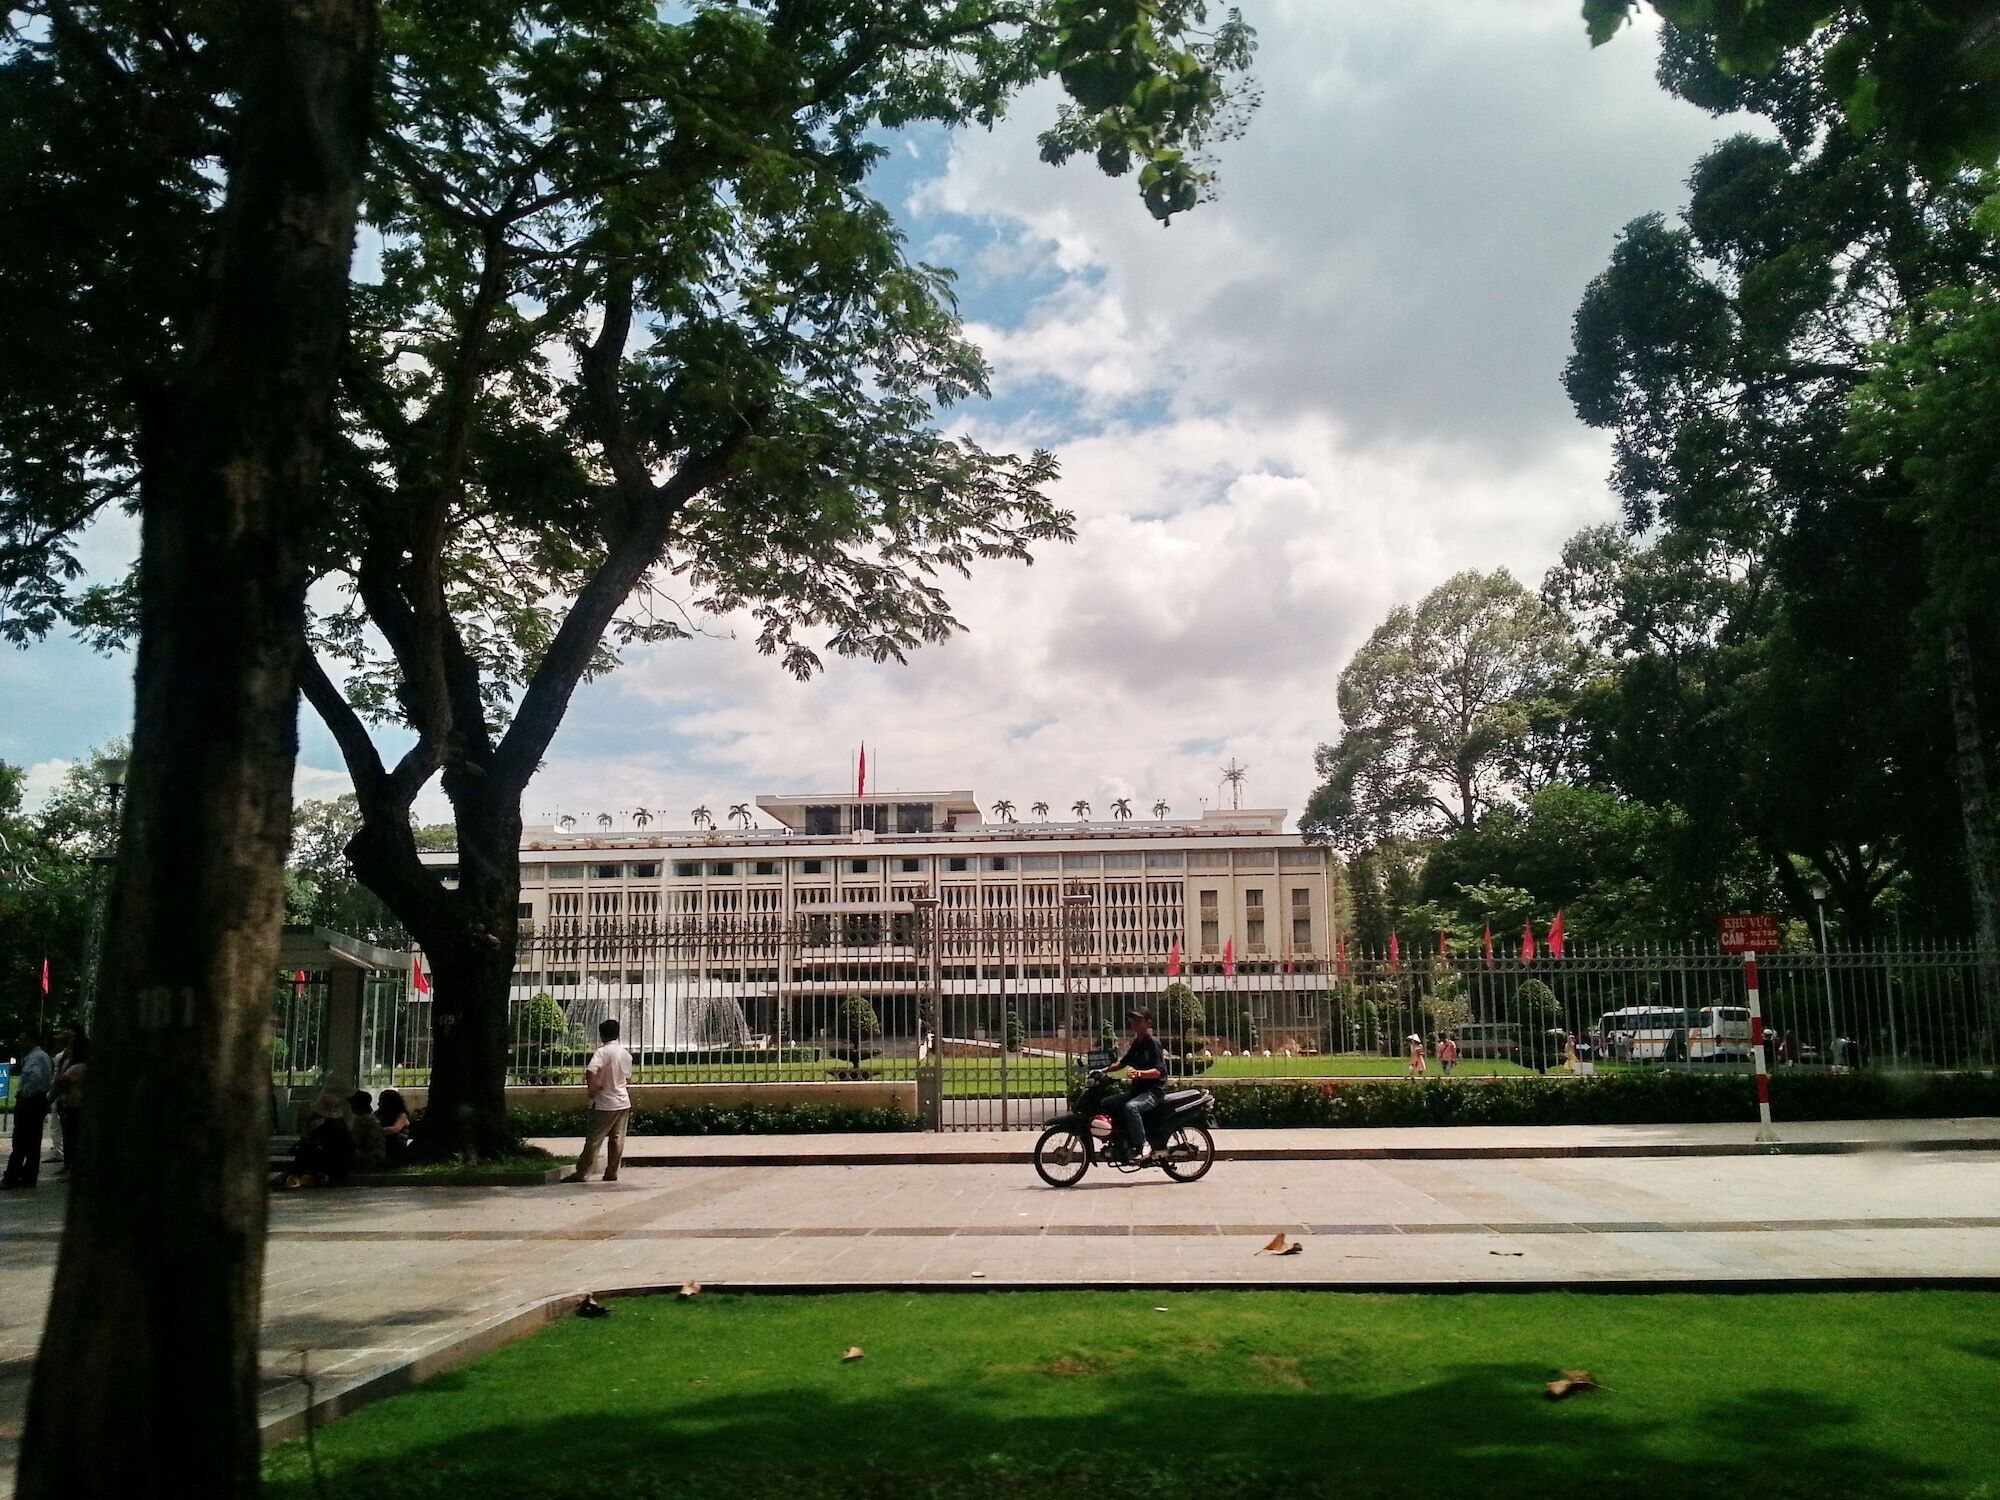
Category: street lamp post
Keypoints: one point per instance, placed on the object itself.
(106, 858)
(1819, 894)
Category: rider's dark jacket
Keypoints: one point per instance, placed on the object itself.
(1145, 1052)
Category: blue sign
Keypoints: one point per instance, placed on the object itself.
(6, 1081)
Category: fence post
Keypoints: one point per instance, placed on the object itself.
(1757, 1059)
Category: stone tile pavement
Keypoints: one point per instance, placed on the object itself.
(368, 1281)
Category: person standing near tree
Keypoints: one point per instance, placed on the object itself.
(605, 1081)
(70, 1066)
(34, 1078)
(1417, 1068)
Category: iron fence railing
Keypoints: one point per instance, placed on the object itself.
(991, 1013)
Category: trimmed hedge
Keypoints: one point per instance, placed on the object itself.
(1604, 1099)
(715, 1119)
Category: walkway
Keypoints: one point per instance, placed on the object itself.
(367, 1281)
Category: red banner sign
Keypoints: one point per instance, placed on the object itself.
(1752, 932)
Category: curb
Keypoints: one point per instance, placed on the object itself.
(1011, 1157)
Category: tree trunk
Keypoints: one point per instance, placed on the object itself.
(1982, 867)
(146, 1382)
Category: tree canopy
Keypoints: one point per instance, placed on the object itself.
(1444, 712)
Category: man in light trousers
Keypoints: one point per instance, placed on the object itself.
(605, 1081)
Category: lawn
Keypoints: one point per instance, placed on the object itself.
(1349, 1065)
(1223, 1396)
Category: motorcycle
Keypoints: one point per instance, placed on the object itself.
(1177, 1129)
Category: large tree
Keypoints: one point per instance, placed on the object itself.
(1446, 711)
(1771, 640)
(645, 349)
(181, 187)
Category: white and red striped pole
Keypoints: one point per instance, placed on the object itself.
(1764, 1130)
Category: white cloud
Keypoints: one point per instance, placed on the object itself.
(40, 780)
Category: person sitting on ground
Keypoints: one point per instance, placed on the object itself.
(392, 1118)
(1145, 1062)
(369, 1152)
(324, 1155)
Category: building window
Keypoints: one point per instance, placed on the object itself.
(643, 872)
(1211, 922)
(913, 817)
(1166, 861)
(958, 863)
(723, 867)
(1300, 859)
(1253, 920)
(764, 867)
(565, 872)
(1124, 861)
(561, 977)
(607, 872)
(1038, 861)
(686, 869)
(812, 867)
(1083, 861)
(823, 820)
(861, 867)
(524, 911)
(1000, 862)
(1302, 922)
(908, 866)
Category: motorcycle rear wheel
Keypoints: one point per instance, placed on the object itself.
(1189, 1154)
(1062, 1156)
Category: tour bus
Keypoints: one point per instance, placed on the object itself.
(1720, 1033)
(1644, 1033)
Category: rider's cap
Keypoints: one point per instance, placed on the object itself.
(1140, 1014)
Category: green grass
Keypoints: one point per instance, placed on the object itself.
(1226, 1396)
(524, 1166)
(1351, 1065)
(979, 1077)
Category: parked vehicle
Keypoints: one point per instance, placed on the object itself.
(1720, 1033)
(1177, 1129)
(1500, 1039)
(1645, 1033)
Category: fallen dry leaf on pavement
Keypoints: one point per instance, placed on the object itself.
(1571, 1382)
(1279, 1247)
(852, 1355)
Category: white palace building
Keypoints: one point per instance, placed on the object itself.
(849, 874)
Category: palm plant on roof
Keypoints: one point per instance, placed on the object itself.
(641, 819)
(1160, 808)
(739, 813)
(1004, 810)
(1040, 810)
(1121, 809)
(1082, 810)
(703, 818)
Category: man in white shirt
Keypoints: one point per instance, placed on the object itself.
(605, 1081)
(34, 1080)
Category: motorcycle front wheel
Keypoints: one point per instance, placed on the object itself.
(1062, 1156)
(1189, 1155)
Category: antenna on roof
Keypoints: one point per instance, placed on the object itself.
(1232, 777)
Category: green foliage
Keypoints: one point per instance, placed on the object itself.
(1654, 1098)
(747, 1119)
(858, 1020)
(1244, 1032)
(542, 1020)
(1181, 1013)
(1921, 73)
(1535, 1009)
(1445, 710)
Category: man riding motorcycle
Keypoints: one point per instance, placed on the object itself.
(1145, 1065)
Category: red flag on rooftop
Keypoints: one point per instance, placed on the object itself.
(861, 776)
(1556, 937)
(421, 979)
(1174, 959)
(1489, 942)
(1229, 957)
(1528, 941)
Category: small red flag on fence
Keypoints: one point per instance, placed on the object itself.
(1556, 937)
(1443, 950)
(1395, 951)
(1489, 943)
(1340, 954)
(1528, 942)
(423, 980)
(1174, 958)
(1229, 957)
(298, 981)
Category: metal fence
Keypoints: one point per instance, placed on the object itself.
(993, 1013)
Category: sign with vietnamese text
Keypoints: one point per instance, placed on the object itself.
(1751, 932)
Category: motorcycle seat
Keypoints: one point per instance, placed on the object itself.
(1181, 1098)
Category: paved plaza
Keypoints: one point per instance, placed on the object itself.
(365, 1281)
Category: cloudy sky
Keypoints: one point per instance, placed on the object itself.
(1315, 397)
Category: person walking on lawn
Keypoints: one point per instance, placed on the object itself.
(34, 1080)
(605, 1082)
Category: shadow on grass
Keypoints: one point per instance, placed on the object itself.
(1476, 1430)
